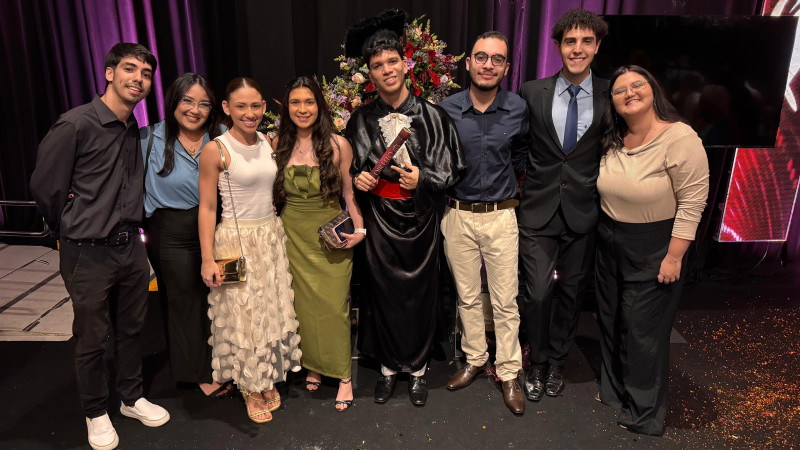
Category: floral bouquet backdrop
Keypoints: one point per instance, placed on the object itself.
(430, 76)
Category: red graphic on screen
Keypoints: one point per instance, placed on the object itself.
(764, 182)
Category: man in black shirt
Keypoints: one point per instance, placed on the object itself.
(480, 222)
(88, 185)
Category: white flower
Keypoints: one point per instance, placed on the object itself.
(358, 78)
(355, 102)
(444, 79)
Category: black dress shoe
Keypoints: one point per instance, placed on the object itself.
(555, 381)
(384, 388)
(533, 385)
(417, 390)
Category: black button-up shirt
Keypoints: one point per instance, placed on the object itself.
(495, 145)
(89, 171)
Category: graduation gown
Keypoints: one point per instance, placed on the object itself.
(401, 291)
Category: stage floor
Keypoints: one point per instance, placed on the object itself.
(735, 360)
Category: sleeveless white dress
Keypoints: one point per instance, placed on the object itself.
(253, 323)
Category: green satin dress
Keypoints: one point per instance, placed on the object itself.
(320, 278)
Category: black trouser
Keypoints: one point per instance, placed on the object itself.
(549, 309)
(100, 280)
(635, 314)
(173, 246)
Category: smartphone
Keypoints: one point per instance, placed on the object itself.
(345, 226)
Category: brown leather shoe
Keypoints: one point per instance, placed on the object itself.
(513, 396)
(464, 376)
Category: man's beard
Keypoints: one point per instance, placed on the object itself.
(485, 87)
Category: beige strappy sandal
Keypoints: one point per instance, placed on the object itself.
(254, 414)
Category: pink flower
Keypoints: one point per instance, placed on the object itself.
(338, 123)
(355, 102)
(358, 78)
(443, 79)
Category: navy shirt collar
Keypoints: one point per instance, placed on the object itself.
(500, 101)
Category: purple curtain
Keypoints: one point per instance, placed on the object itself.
(512, 18)
(53, 55)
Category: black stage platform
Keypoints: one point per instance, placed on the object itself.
(734, 383)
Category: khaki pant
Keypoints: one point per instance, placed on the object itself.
(493, 235)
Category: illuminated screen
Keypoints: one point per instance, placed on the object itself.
(763, 186)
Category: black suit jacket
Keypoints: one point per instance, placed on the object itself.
(553, 178)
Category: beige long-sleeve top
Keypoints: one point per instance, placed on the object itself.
(665, 178)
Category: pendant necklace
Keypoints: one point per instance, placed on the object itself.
(191, 146)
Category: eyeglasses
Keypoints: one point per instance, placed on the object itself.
(202, 106)
(636, 86)
(481, 57)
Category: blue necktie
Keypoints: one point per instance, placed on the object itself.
(571, 128)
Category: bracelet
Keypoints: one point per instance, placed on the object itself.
(673, 258)
(360, 230)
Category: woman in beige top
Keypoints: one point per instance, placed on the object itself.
(653, 185)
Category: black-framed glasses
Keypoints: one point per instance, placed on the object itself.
(202, 105)
(482, 57)
(636, 86)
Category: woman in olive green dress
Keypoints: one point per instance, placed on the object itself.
(313, 174)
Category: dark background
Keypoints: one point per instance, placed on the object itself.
(52, 61)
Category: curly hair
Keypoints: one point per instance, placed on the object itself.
(614, 126)
(579, 18)
(322, 138)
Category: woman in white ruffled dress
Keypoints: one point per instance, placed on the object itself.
(254, 326)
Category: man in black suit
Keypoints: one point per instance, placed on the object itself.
(558, 208)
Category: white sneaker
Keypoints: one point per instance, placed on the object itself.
(102, 435)
(148, 413)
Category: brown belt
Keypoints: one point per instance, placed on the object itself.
(482, 207)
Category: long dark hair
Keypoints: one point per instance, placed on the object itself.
(172, 99)
(321, 141)
(614, 126)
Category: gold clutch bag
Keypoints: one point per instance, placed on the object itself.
(232, 270)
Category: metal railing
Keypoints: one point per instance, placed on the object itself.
(30, 234)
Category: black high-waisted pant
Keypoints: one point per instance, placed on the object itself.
(635, 314)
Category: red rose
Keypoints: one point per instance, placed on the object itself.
(435, 78)
(370, 87)
(409, 51)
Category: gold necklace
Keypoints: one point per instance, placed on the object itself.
(191, 146)
(305, 150)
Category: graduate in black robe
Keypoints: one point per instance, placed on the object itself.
(402, 209)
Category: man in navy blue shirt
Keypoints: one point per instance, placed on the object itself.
(479, 222)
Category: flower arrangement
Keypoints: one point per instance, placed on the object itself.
(430, 76)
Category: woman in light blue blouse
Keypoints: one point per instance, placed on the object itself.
(171, 151)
